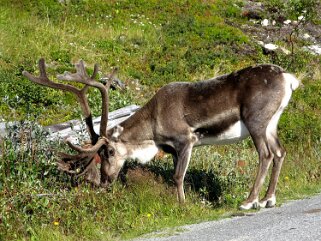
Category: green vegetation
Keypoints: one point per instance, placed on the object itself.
(153, 42)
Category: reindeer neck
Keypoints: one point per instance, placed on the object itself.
(138, 127)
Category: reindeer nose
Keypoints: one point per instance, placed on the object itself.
(108, 180)
(105, 183)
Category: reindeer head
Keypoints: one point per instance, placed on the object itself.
(116, 154)
(84, 163)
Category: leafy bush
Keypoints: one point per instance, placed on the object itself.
(27, 154)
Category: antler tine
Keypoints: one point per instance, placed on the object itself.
(88, 166)
(80, 67)
(93, 149)
(80, 76)
(42, 68)
(45, 81)
(78, 165)
(111, 77)
(70, 163)
(96, 68)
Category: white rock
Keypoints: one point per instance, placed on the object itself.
(64, 1)
(314, 49)
(306, 36)
(301, 18)
(286, 22)
(260, 42)
(271, 46)
(254, 21)
(284, 50)
(265, 22)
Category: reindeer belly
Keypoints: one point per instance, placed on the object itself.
(234, 133)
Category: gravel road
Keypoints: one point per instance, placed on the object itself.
(296, 221)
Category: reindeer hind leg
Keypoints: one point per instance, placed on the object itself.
(265, 159)
(279, 154)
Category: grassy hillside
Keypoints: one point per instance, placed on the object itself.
(153, 42)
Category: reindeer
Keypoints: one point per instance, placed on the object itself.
(181, 115)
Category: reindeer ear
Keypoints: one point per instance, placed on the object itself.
(117, 132)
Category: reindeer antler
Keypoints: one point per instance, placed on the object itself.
(80, 94)
(85, 158)
(81, 76)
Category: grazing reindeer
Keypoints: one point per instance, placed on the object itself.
(222, 110)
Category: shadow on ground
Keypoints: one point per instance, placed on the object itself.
(203, 182)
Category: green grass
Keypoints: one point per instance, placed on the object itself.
(37, 202)
(153, 43)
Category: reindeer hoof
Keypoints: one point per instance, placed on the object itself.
(104, 184)
(255, 205)
(250, 205)
(268, 202)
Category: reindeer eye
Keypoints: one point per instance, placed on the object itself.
(111, 151)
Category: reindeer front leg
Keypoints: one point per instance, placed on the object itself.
(182, 161)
